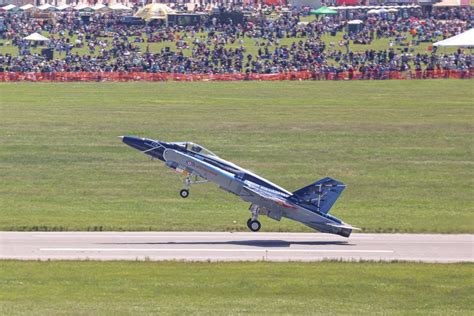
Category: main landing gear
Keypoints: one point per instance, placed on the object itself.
(188, 181)
(253, 224)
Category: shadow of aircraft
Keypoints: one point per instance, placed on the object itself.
(253, 243)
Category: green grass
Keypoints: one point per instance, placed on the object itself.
(111, 288)
(377, 44)
(404, 148)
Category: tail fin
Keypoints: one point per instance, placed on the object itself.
(321, 195)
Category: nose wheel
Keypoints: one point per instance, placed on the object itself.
(188, 181)
(254, 225)
(184, 193)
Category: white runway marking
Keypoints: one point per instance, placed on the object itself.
(267, 236)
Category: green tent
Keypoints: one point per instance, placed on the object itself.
(323, 10)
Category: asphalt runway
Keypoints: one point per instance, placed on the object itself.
(210, 246)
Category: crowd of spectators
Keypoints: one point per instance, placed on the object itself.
(264, 44)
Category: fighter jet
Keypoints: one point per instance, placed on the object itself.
(309, 205)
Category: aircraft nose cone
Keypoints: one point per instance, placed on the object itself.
(135, 142)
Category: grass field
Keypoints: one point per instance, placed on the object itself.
(377, 44)
(111, 288)
(404, 148)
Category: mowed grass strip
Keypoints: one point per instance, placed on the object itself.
(404, 149)
(235, 288)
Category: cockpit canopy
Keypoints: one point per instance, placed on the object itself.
(195, 148)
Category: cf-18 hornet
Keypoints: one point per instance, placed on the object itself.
(309, 205)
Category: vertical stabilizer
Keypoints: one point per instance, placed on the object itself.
(321, 195)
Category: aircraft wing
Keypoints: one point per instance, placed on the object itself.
(265, 198)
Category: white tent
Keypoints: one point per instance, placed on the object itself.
(35, 37)
(27, 7)
(82, 7)
(63, 7)
(46, 6)
(99, 7)
(453, 3)
(9, 7)
(465, 39)
(355, 22)
(120, 7)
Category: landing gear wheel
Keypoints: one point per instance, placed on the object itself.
(254, 225)
(184, 193)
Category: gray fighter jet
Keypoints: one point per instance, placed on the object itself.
(309, 205)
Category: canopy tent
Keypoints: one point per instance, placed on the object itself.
(63, 7)
(347, 2)
(355, 22)
(378, 7)
(452, 3)
(119, 7)
(9, 7)
(154, 11)
(27, 7)
(35, 37)
(465, 39)
(323, 10)
(100, 7)
(82, 7)
(47, 7)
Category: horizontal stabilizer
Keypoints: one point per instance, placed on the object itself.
(321, 195)
(345, 226)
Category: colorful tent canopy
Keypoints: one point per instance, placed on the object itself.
(154, 11)
(323, 10)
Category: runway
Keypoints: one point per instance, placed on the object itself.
(211, 246)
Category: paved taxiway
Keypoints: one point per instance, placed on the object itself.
(204, 246)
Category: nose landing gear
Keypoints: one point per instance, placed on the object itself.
(184, 193)
(188, 181)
